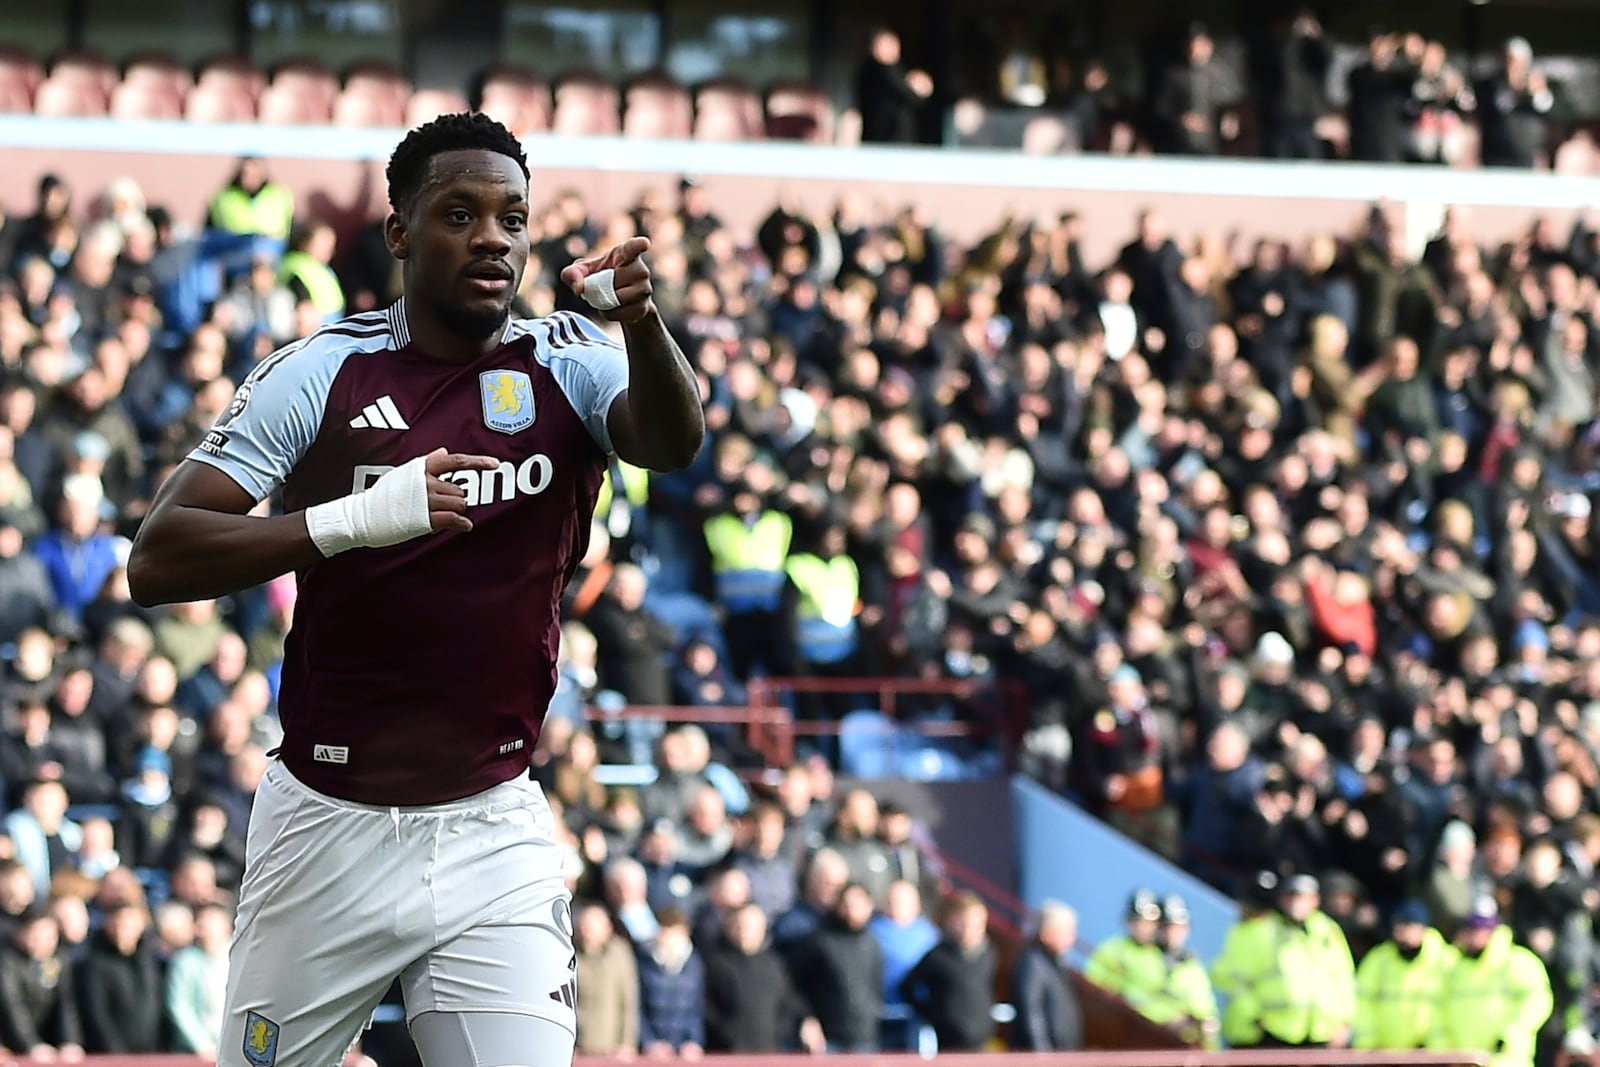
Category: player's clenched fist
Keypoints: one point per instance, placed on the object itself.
(615, 283)
(411, 501)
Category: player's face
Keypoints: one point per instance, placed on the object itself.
(466, 241)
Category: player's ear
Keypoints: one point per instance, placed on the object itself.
(397, 235)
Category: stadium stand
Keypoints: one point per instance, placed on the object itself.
(1315, 514)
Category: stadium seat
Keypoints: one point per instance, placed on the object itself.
(586, 105)
(146, 100)
(657, 106)
(379, 78)
(20, 66)
(724, 106)
(307, 77)
(869, 745)
(523, 110)
(426, 105)
(720, 124)
(15, 97)
(1578, 155)
(72, 98)
(158, 68)
(87, 67)
(220, 103)
(367, 104)
(233, 73)
(1044, 135)
(293, 105)
(515, 96)
(847, 130)
(798, 111)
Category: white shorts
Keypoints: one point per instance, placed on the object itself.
(464, 902)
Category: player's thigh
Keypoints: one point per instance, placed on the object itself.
(526, 967)
(324, 926)
(490, 1039)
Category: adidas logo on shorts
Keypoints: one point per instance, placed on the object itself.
(331, 753)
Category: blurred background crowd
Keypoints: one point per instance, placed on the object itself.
(1289, 552)
(1262, 78)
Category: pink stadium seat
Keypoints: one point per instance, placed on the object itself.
(308, 78)
(146, 100)
(15, 96)
(367, 105)
(797, 111)
(87, 67)
(524, 109)
(21, 66)
(586, 105)
(158, 68)
(69, 98)
(721, 97)
(717, 123)
(293, 105)
(372, 76)
(657, 106)
(426, 105)
(1044, 135)
(225, 102)
(234, 72)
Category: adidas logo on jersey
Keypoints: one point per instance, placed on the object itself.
(529, 478)
(381, 414)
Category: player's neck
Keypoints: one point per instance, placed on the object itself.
(435, 340)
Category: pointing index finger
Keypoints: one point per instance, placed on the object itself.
(631, 249)
(456, 461)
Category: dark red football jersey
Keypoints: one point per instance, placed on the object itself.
(421, 673)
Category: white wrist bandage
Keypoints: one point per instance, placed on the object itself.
(600, 290)
(395, 509)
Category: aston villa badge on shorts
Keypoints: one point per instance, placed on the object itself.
(260, 1040)
(507, 400)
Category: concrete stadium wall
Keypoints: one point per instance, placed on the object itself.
(338, 174)
(1067, 854)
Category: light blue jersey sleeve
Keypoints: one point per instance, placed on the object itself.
(590, 367)
(276, 414)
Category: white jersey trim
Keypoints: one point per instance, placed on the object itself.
(277, 410)
(590, 368)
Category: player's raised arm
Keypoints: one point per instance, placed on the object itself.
(199, 540)
(658, 423)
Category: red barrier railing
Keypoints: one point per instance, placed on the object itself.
(769, 729)
(999, 706)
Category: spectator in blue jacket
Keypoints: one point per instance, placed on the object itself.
(79, 555)
(906, 935)
(672, 992)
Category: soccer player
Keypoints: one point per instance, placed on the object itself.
(439, 463)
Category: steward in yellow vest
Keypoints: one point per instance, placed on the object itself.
(828, 585)
(749, 547)
(1246, 952)
(304, 270)
(1187, 1001)
(252, 205)
(1496, 997)
(1134, 966)
(1298, 973)
(1398, 983)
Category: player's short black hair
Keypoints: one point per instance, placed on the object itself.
(463, 131)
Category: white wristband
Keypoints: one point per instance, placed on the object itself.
(393, 510)
(600, 290)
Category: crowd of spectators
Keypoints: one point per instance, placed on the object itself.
(1276, 86)
(1291, 549)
